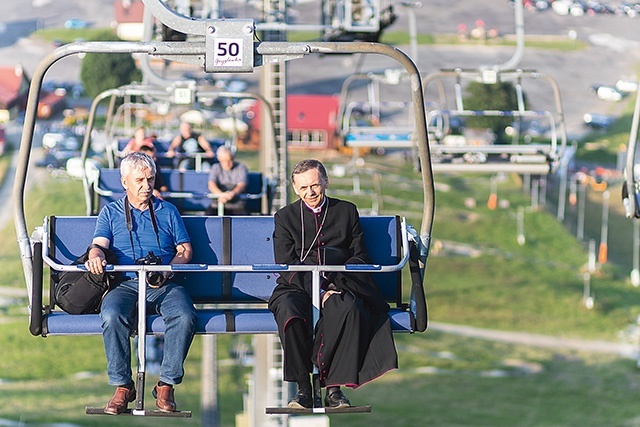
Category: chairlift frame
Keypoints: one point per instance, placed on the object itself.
(263, 52)
(632, 179)
(373, 137)
(154, 93)
(203, 53)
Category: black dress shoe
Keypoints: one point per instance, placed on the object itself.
(336, 399)
(302, 400)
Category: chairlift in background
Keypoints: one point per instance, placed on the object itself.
(374, 124)
(457, 150)
(351, 20)
(121, 121)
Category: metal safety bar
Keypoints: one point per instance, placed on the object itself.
(140, 268)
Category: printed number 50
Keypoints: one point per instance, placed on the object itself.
(228, 49)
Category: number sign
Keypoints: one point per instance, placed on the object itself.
(228, 52)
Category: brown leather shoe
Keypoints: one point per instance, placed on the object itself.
(120, 400)
(164, 398)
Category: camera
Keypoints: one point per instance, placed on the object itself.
(155, 279)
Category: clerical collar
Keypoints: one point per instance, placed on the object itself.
(319, 208)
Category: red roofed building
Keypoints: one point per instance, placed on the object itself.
(14, 89)
(311, 121)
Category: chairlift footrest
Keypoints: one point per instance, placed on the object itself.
(99, 410)
(321, 410)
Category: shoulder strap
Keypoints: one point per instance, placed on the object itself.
(129, 222)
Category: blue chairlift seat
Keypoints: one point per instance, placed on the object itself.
(226, 301)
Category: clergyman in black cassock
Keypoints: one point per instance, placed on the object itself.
(353, 340)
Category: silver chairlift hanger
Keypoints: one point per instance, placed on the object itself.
(632, 175)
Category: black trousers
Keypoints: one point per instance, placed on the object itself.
(341, 341)
(297, 344)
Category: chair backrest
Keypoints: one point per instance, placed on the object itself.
(190, 181)
(242, 240)
(109, 180)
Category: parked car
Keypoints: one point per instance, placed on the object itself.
(631, 9)
(60, 141)
(594, 7)
(200, 78)
(577, 8)
(607, 93)
(561, 7)
(597, 121)
(627, 85)
(75, 24)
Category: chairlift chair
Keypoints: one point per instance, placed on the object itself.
(206, 53)
(150, 93)
(537, 159)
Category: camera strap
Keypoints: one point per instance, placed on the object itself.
(129, 221)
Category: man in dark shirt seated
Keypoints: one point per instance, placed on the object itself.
(227, 180)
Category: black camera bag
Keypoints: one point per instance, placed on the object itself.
(82, 292)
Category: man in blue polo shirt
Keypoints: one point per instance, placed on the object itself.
(136, 227)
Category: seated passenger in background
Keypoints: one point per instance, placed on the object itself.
(159, 186)
(139, 140)
(189, 142)
(227, 180)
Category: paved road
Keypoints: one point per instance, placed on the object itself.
(536, 340)
(613, 52)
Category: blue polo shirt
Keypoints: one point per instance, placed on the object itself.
(111, 224)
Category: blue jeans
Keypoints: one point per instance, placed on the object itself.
(119, 321)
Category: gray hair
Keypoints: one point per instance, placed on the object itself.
(224, 149)
(138, 161)
(308, 164)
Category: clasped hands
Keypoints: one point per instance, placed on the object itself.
(328, 290)
(227, 196)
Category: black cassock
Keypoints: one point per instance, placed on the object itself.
(353, 343)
